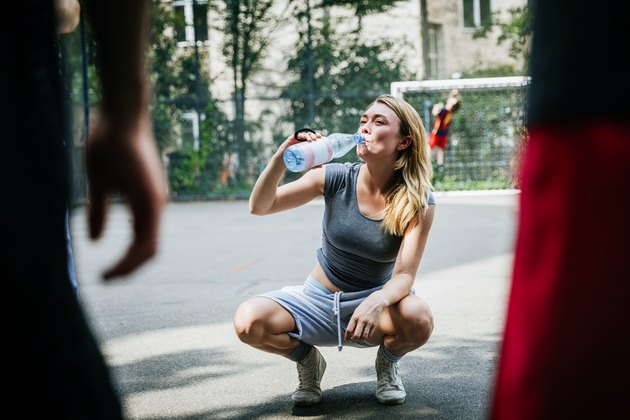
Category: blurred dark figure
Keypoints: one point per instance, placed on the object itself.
(68, 18)
(52, 357)
(565, 348)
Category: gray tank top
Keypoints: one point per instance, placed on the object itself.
(356, 253)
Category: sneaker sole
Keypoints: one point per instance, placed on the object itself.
(307, 403)
(392, 401)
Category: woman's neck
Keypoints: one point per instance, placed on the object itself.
(378, 179)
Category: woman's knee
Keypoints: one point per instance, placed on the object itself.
(418, 323)
(248, 323)
(259, 318)
(421, 327)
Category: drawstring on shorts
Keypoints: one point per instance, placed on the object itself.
(337, 311)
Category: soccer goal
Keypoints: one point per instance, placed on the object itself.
(487, 132)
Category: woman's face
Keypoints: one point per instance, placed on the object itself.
(381, 128)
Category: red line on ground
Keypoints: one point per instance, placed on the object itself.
(249, 264)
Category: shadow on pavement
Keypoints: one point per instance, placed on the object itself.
(449, 379)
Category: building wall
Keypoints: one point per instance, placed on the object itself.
(462, 53)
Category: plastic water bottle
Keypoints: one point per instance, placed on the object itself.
(305, 155)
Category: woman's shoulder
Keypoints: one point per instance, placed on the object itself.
(339, 176)
(430, 198)
(342, 168)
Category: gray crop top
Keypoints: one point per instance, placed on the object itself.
(356, 253)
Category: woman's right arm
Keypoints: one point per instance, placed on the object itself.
(268, 198)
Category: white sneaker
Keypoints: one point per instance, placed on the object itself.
(310, 371)
(389, 386)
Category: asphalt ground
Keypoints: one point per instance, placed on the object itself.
(166, 331)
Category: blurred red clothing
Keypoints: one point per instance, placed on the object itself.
(565, 348)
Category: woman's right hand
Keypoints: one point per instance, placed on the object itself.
(304, 136)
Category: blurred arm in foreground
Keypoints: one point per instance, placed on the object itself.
(121, 154)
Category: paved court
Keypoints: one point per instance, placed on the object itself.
(167, 333)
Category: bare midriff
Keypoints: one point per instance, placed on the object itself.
(319, 275)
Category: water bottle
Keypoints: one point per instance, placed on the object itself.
(302, 156)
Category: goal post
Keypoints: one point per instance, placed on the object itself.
(400, 88)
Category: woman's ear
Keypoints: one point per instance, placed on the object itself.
(404, 143)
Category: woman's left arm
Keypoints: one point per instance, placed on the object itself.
(367, 314)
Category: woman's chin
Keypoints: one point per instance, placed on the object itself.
(362, 150)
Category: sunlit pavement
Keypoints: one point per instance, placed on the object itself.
(167, 332)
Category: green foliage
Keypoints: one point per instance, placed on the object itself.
(497, 71)
(348, 75)
(516, 31)
(199, 169)
(169, 75)
(453, 183)
(362, 8)
(247, 27)
(181, 84)
(184, 169)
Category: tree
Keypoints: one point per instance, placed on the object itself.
(246, 25)
(165, 75)
(304, 15)
(347, 73)
(182, 84)
(362, 8)
(516, 30)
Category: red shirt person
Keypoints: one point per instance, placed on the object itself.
(438, 137)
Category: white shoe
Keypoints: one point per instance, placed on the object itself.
(310, 371)
(389, 386)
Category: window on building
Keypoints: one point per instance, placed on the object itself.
(476, 13)
(191, 21)
(435, 53)
(189, 130)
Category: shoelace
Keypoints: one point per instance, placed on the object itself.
(337, 311)
(388, 375)
(307, 375)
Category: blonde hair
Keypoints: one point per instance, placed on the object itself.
(408, 196)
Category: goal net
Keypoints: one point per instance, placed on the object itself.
(486, 137)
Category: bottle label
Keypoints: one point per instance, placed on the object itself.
(317, 152)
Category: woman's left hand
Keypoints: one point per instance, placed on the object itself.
(365, 318)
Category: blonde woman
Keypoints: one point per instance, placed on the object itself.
(375, 227)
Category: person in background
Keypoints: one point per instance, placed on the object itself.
(438, 138)
(52, 353)
(376, 224)
(564, 353)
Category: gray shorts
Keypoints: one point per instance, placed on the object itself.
(321, 316)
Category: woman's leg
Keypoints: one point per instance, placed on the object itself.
(402, 328)
(264, 324)
(405, 326)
